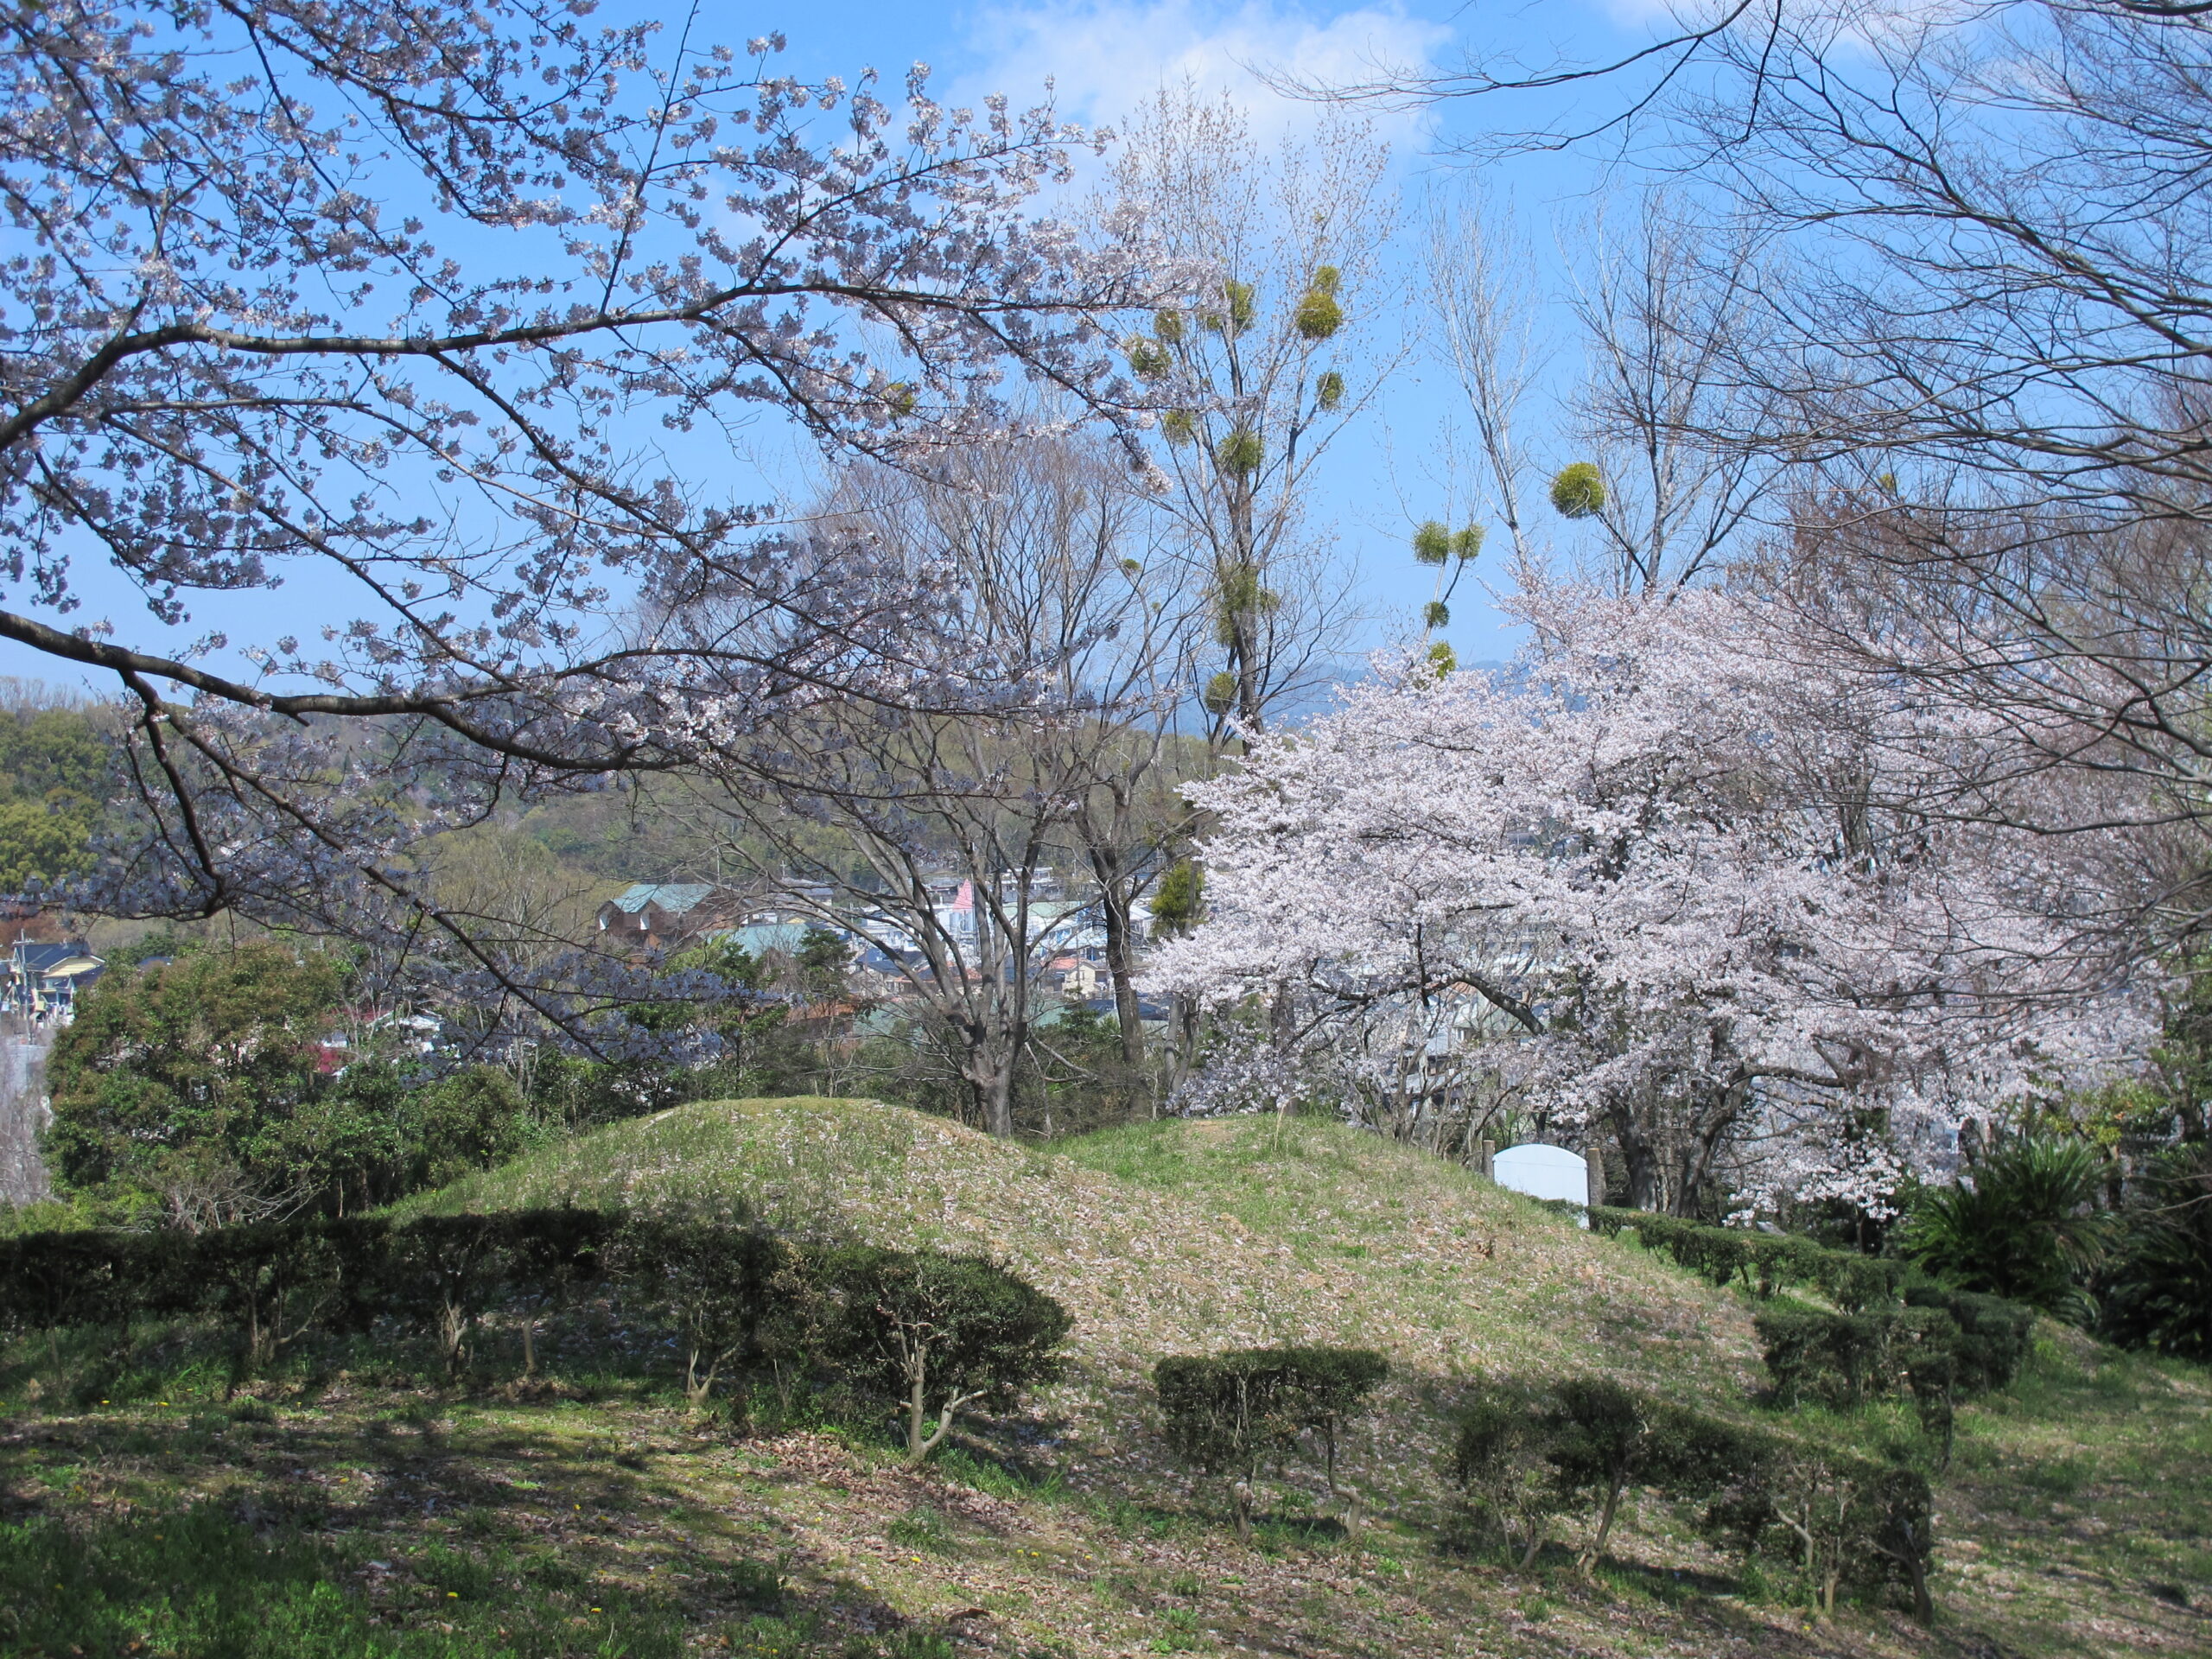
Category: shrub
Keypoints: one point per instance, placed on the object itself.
(1993, 1338)
(1766, 1262)
(1854, 1282)
(1601, 1437)
(1942, 1344)
(360, 1250)
(1499, 1462)
(937, 1333)
(710, 1281)
(2023, 1226)
(272, 1282)
(2157, 1289)
(1228, 1413)
(51, 1282)
(441, 1273)
(1841, 1520)
(546, 1253)
(1327, 1388)
(1524, 1456)
(1838, 1359)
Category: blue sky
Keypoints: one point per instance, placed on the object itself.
(1101, 58)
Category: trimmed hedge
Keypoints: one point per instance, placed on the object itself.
(1526, 1455)
(1229, 1413)
(1765, 1262)
(1943, 1340)
(935, 1333)
(1893, 1330)
(914, 1333)
(1995, 1336)
(1842, 1522)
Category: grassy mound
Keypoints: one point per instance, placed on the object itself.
(373, 1514)
(1191, 1237)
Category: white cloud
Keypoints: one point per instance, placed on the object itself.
(1104, 58)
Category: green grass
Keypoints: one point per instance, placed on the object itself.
(200, 1582)
(2073, 1517)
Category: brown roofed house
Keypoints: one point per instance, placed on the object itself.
(667, 915)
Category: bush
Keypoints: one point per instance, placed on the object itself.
(441, 1273)
(1943, 1345)
(937, 1333)
(1524, 1456)
(546, 1253)
(1766, 1262)
(1601, 1437)
(51, 1282)
(1854, 1282)
(1229, 1413)
(2024, 1226)
(1994, 1335)
(710, 1281)
(1844, 1523)
(1838, 1359)
(1329, 1386)
(2155, 1291)
(270, 1282)
(1498, 1462)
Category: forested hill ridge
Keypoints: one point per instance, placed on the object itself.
(588, 1510)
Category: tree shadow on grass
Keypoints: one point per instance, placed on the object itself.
(201, 1581)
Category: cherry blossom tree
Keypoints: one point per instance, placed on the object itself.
(1662, 850)
(440, 314)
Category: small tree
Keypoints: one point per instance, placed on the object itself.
(1228, 1413)
(938, 1333)
(710, 1280)
(1500, 1463)
(183, 1084)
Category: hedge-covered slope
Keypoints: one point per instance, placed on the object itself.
(1192, 1238)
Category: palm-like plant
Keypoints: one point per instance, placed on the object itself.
(2157, 1287)
(2024, 1225)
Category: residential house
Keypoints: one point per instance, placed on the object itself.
(667, 915)
(46, 980)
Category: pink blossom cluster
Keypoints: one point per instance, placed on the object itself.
(1726, 903)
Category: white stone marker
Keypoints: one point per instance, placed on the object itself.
(1544, 1172)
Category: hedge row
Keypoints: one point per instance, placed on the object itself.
(1525, 1457)
(1942, 1345)
(929, 1333)
(1765, 1262)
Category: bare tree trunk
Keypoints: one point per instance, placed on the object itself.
(990, 1080)
(1120, 965)
(1638, 1159)
(24, 1113)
